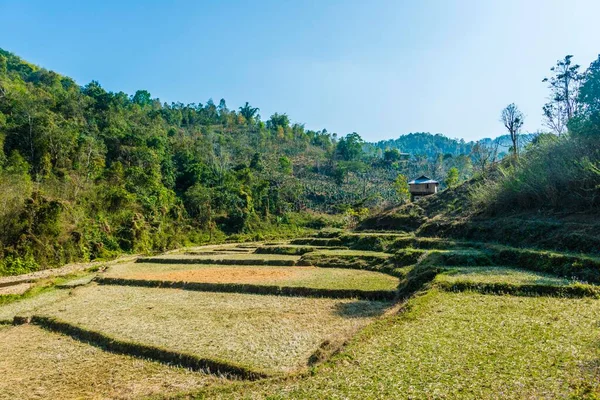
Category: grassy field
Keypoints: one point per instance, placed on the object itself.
(229, 256)
(36, 364)
(269, 334)
(312, 277)
(460, 345)
(28, 304)
(462, 337)
(500, 275)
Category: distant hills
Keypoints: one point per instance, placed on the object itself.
(425, 143)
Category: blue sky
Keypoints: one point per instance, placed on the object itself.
(381, 68)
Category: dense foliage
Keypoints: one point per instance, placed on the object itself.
(86, 173)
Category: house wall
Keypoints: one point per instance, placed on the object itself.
(429, 188)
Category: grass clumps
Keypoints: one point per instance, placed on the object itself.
(266, 334)
(293, 250)
(39, 364)
(572, 266)
(500, 280)
(317, 241)
(353, 259)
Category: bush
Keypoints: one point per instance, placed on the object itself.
(12, 265)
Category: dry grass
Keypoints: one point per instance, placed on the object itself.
(19, 288)
(230, 256)
(36, 364)
(28, 304)
(464, 345)
(311, 277)
(266, 333)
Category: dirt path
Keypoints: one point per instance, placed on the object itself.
(9, 281)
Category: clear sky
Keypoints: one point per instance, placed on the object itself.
(381, 68)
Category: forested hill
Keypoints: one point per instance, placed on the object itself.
(430, 145)
(86, 173)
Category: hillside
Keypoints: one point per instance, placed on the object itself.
(431, 145)
(88, 174)
(549, 199)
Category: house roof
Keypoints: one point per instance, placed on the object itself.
(422, 179)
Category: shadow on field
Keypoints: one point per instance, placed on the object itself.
(361, 309)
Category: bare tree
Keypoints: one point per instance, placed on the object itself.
(484, 155)
(513, 119)
(564, 92)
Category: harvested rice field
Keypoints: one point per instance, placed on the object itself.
(28, 305)
(311, 277)
(460, 345)
(227, 256)
(270, 334)
(462, 329)
(37, 364)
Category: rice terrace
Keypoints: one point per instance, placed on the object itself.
(153, 246)
(228, 321)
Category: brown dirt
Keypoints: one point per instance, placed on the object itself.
(19, 288)
(226, 275)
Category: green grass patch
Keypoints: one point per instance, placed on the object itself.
(290, 249)
(352, 259)
(501, 280)
(492, 274)
(266, 334)
(317, 241)
(465, 257)
(578, 267)
(460, 345)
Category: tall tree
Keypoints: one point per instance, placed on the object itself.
(401, 188)
(452, 177)
(587, 119)
(249, 112)
(564, 91)
(513, 119)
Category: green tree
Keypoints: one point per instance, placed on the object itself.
(401, 188)
(564, 94)
(452, 177)
(249, 112)
(142, 98)
(350, 147)
(285, 165)
(587, 120)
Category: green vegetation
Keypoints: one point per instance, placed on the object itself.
(500, 275)
(494, 279)
(88, 174)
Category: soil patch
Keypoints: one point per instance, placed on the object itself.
(227, 274)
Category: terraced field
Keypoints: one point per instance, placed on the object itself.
(338, 315)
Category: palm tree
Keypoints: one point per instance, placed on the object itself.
(248, 112)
